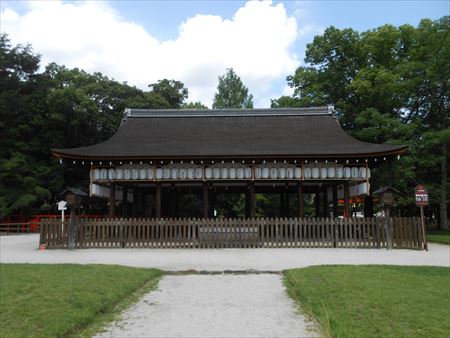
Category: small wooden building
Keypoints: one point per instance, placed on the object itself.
(156, 155)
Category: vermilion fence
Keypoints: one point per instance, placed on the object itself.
(234, 233)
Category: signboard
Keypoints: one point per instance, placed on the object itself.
(421, 196)
(62, 205)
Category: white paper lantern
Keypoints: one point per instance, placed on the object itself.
(159, 173)
(331, 172)
(315, 172)
(111, 174)
(248, 173)
(208, 173)
(307, 173)
(198, 173)
(232, 173)
(298, 172)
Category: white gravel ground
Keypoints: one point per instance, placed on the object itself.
(24, 249)
(214, 306)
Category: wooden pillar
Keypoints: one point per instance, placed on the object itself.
(251, 200)
(136, 201)
(112, 200)
(158, 200)
(124, 201)
(282, 201)
(317, 202)
(301, 204)
(247, 202)
(177, 202)
(172, 201)
(205, 200)
(325, 202)
(346, 200)
(286, 201)
(335, 200)
(212, 198)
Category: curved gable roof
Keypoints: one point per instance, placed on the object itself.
(256, 133)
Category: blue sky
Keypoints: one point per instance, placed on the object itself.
(195, 41)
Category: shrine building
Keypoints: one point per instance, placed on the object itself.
(158, 155)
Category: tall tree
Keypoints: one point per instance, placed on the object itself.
(391, 85)
(172, 91)
(231, 92)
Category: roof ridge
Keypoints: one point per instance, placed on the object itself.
(303, 111)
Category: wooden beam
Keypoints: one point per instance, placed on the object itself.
(112, 200)
(158, 200)
(301, 204)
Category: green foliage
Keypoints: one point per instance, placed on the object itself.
(374, 301)
(57, 108)
(388, 85)
(172, 91)
(193, 105)
(59, 300)
(231, 92)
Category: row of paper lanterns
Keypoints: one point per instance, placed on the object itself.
(261, 172)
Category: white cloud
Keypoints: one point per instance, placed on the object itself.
(257, 42)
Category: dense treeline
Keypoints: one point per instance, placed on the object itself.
(58, 108)
(389, 85)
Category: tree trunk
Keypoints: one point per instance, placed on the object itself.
(443, 203)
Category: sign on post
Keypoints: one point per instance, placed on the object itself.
(421, 196)
(62, 205)
(422, 201)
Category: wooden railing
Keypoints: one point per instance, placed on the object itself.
(15, 228)
(235, 233)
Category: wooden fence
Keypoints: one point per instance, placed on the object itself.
(15, 228)
(235, 233)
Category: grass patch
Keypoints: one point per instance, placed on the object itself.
(439, 236)
(67, 299)
(374, 301)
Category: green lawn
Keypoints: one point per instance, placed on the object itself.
(374, 301)
(439, 236)
(64, 300)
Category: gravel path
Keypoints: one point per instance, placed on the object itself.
(214, 306)
(23, 249)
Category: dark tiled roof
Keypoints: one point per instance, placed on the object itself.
(255, 133)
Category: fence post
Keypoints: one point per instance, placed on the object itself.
(377, 231)
(72, 229)
(122, 232)
(41, 233)
(389, 228)
(81, 232)
(335, 222)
